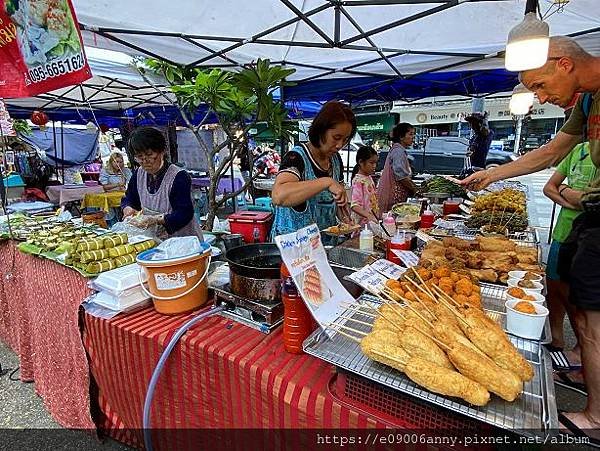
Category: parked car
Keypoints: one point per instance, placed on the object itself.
(446, 155)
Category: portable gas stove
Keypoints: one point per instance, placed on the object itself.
(260, 315)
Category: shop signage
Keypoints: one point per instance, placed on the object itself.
(40, 47)
(445, 114)
(374, 123)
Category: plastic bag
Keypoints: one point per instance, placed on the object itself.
(177, 247)
(126, 226)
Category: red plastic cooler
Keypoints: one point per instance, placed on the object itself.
(253, 225)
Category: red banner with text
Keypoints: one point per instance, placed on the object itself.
(40, 47)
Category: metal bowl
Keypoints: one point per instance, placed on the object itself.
(437, 198)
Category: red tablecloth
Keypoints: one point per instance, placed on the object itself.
(39, 303)
(221, 375)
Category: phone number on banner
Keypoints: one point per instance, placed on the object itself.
(56, 68)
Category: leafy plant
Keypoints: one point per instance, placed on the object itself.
(21, 127)
(238, 100)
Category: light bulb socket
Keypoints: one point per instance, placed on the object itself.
(529, 28)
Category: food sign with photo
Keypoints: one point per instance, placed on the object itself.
(305, 257)
(40, 47)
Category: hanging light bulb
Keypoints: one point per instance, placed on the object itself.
(527, 45)
(521, 100)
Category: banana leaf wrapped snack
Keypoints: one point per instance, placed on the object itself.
(90, 245)
(125, 259)
(118, 251)
(100, 266)
(115, 240)
(144, 246)
(90, 256)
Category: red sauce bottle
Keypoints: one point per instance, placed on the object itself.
(297, 320)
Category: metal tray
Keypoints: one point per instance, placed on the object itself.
(532, 414)
(528, 237)
(493, 298)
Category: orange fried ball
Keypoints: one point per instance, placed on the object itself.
(455, 277)
(461, 299)
(409, 296)
(464, 287)
(475, 300)
(517, 292)
(424, 273)
(442, 271)
(525, 307)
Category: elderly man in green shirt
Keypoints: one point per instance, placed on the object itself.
(570, 70)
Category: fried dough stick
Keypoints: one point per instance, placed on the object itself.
(497, 380)
(445, 381)
(381, 346)
(420, 345)
(493, 341)
(449, 335)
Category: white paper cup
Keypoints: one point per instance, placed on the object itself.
(525, 325)
(537, 286)
(520, 274)
(539, 299)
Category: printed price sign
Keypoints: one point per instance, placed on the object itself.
(388, 269)
(40, 47)
(409, 258)
(424, 237)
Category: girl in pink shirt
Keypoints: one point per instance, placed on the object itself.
(364, 203)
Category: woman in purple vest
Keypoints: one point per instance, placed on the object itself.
(159, 189)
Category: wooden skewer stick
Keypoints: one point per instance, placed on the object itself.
(422, 281)
(420, 288)
(420, 301)
(449, 298)
(345, 334)
(453, 310)
(388, 357)
(341, 326)
(416, 312)
(388, 300)
(362, 312)
(357, 321)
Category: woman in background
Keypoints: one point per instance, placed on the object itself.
(395, 185)
(115, 176)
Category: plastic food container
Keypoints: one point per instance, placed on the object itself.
(254, 226)
(118, 280)
(519, 275)
(537, 286)
(538, 298)
(525, 325)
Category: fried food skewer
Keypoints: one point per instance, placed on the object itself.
(418, 299)
(422, 281)
(500, 381)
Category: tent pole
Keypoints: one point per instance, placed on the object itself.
(234, 199)
(55, 151)
(62, 149)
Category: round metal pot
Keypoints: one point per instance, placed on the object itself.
(268, 290)
(254, 271)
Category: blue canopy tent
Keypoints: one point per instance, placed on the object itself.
(65, 146)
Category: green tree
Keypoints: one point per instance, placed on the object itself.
(238, 101)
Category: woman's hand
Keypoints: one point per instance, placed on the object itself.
(339, 193)
(128, 211)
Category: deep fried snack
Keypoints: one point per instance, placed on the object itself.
(480, 369)
(525, 307)
(449, 334)
(383, 323)
(464, 287)
(382, 346)
(491, 339)
(392, 313)
(424, 273)
(442, 271)
(445, 381)
(418, 344)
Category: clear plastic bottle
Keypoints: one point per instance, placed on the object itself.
(297, 320)
(366, 239)
(389, 224)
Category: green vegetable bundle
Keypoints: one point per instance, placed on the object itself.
(513, 222)
(438, 184)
